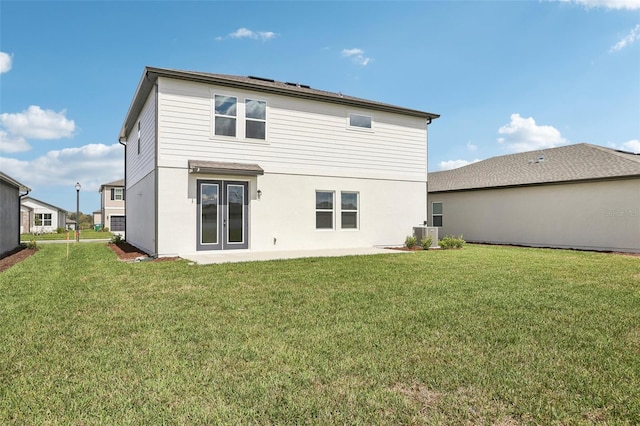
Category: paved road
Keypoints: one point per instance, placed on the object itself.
(70, 241)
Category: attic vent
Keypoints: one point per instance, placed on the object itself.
(270, 80)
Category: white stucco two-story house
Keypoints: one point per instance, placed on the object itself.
(219, 162)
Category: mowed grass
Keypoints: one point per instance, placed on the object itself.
(85, 234)
(483, 335)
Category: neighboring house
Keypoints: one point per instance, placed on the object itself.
(10, 194)
(41, 217)
(578, 196)
(97, 219)
(112, 199)
(218, 162)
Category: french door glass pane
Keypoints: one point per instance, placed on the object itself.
(235, 212)
(209, 214)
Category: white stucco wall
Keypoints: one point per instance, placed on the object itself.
(593, 216)
(388, 211)
(141, 214)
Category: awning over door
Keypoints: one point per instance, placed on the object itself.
(224, 168)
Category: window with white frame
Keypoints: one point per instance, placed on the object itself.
(436, 214)
(225, 115)
(349, 210)
(360, 121)
(255, 119)
(324, 209)
(117, 194)
(43, 219)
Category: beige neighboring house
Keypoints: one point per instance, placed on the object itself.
(112, 200)
(10, 212)
(41, 217)
(579, 196)
(97, 218)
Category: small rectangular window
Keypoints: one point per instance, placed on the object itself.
(436, 214)
(349, 210)
(324, 210)
(362, 121)
(256, 119)
(225, 115)
(138, 137)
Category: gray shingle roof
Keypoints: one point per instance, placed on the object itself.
(564, 164)
(119, 182)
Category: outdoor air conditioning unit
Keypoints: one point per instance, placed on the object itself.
(423, 232)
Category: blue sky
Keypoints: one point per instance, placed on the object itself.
(505, 76)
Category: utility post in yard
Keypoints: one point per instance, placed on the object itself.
(78, 212)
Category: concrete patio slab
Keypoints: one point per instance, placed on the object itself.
(246, 256)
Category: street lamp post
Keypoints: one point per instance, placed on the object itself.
(78, 211)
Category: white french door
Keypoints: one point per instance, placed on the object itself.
(222, 222)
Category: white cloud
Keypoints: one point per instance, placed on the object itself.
(357, 56)
(247, 33)
(91, 165)
(523, 134)
(36, 123)
(471, 147)
(633, 35)
(10, 143)
(6, 62)
(607, 4)
(633, 146)
(454, 164)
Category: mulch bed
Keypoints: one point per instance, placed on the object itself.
(128, 253)
(404, 248)
(15, 256)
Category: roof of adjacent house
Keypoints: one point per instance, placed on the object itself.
(116, 183)
(14, 182)
(577, 162)
(260, 84)
(35, 200)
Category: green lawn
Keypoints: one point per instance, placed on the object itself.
(85, 234)
(483, 335)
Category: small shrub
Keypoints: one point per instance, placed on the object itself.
(32, 244)
(105, 229)
(410, 241)
(450, 242)
(116, 238)
(60, 230)
(426, 242)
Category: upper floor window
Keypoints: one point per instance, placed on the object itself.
(117, 194)
(139, 133)
(361, 121)
(225, 115)
(256, 119)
